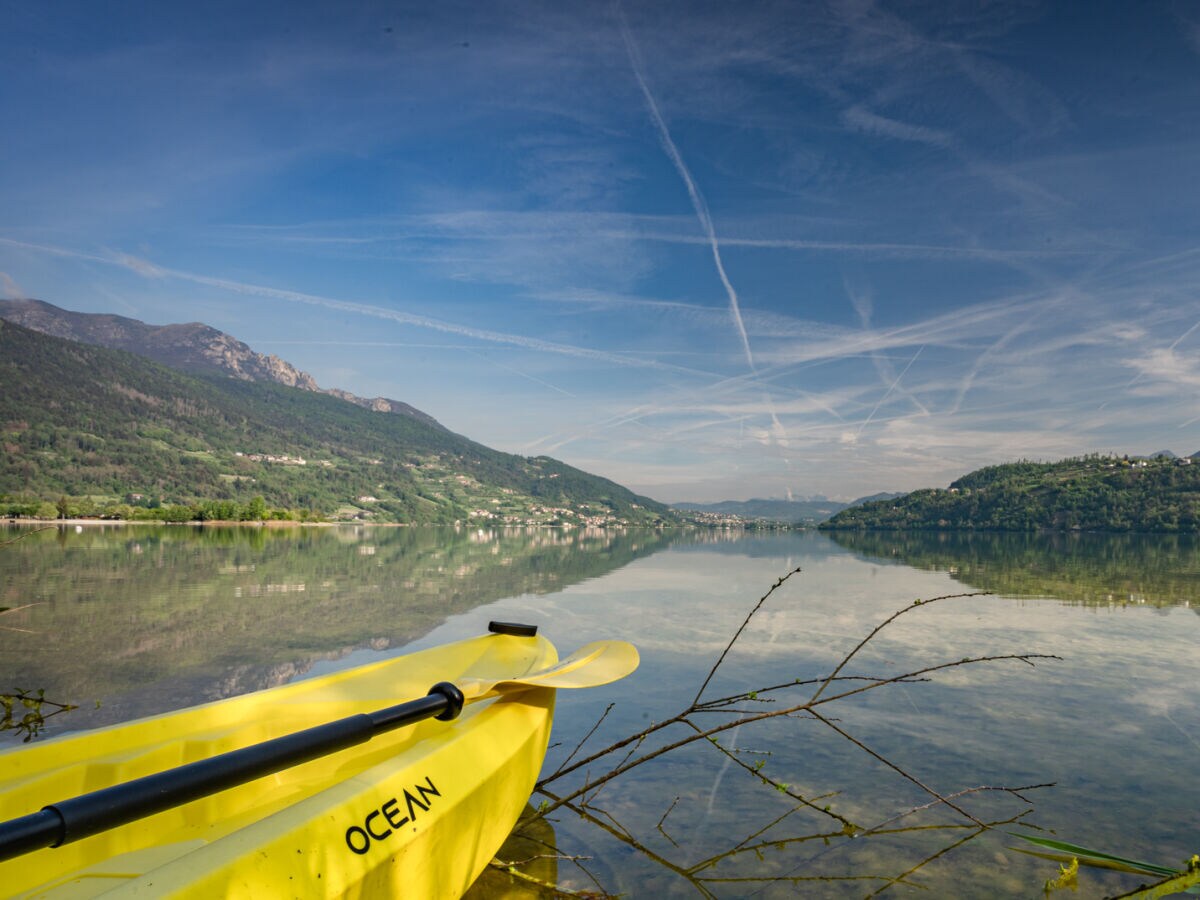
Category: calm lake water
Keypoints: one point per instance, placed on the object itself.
(142, 619)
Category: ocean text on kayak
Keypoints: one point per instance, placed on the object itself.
(360, 837)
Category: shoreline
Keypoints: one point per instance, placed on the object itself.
(280, 523)
(47, 523)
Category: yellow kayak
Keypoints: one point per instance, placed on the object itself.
(374, 799)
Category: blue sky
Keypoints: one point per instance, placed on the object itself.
(710, 250)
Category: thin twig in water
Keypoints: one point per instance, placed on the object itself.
(659, 826)
(757, 772)
(737, 634)
(512, 870)
(900, 879)
(17, 609)
(577, 861)
(21, 537)
(584, 739)
(596, 770)
(682, 718)
(891, 765)
(1015, 791)
(884, 624)
(966, 661)
(715, 705)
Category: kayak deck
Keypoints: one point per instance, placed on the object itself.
(418, 811)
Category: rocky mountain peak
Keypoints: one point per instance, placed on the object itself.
(191, 346)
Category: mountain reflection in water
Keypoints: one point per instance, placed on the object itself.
(149, 618)
(1088, 569)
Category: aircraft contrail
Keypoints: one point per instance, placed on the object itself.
(151, 270)
(867, 420)
(700, 206)
(697, 198)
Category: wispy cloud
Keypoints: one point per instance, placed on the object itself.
(150, 270)
(573, 231)
(867, 421)
(1167, 371)
(993, 352)
(420, 321)
(864, 120)
(698, 202)
(861, 300)
(1183, 337)
(1025, 102)
(28, 246)
(492, 361)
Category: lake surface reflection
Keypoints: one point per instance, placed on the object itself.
(146, 619)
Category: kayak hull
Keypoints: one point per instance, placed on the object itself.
(416, 812)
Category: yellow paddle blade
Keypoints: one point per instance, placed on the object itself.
(594, 664)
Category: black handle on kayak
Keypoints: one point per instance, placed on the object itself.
(85, 815)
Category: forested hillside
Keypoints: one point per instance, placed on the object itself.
(113, 432)
(1092, 493)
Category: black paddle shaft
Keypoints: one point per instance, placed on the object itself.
(85, 815)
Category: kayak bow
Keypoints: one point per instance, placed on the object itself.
(396, 808)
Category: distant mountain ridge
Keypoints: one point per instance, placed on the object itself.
(191, 347)
(777, 510)
(771, 510)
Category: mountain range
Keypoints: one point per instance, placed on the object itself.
(191, 347)
(106, 431)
